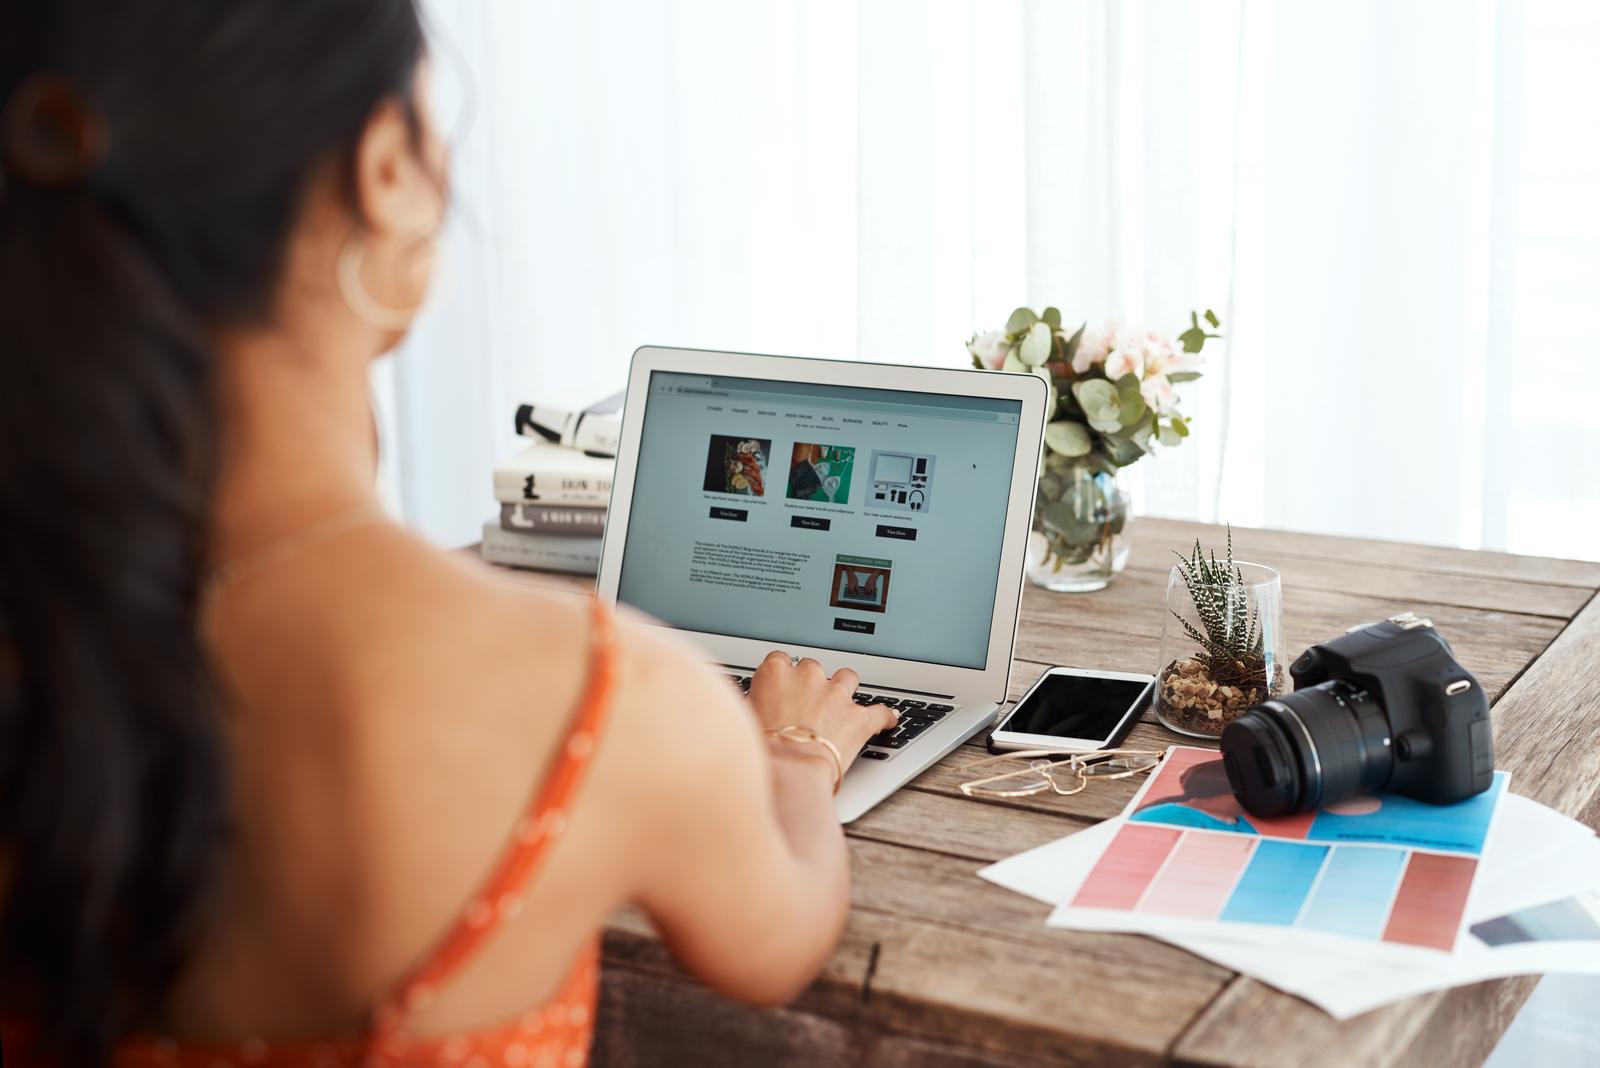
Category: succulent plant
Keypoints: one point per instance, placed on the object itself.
(1229, 634)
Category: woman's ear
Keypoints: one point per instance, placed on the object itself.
(397, 195)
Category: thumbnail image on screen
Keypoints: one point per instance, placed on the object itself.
(821, 473)
(901, 481)
(737, 465)
(860, 582)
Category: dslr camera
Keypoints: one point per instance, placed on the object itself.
(1384, 707)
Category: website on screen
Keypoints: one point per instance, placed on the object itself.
(841, 517)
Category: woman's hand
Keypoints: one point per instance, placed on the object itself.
(784, 692)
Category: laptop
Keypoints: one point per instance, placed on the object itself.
(871, 516)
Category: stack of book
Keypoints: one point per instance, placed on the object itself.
(553, 494)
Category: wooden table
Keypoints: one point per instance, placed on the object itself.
(938, 967)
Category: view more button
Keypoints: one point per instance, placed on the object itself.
(810, 522)
(890, 530)
(738, 515)
(855, 626)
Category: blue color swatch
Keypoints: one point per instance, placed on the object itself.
(1274, 887)
(1356, 890)
(1404, 821)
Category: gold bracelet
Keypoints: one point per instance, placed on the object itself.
(795, 732)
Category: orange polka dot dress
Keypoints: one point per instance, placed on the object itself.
(554, 1035)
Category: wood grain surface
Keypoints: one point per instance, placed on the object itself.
(938, 967)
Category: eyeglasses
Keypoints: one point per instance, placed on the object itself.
(1034, 771)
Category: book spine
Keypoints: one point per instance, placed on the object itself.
(570, 490)
(575, 556)
(597, 435)
(559, 520)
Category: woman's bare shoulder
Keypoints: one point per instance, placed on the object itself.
(498, 633)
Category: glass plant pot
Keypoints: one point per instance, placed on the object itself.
(1223, 655)
(1081, 526)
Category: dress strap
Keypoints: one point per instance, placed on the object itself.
(499, 898)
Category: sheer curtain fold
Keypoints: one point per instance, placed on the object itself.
(1375, 195)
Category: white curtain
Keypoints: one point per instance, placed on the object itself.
(1392, 205)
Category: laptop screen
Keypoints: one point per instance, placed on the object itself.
(840, 517)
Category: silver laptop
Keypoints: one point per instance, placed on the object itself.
(871, 516)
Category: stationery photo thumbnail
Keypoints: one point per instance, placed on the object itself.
(901, 481)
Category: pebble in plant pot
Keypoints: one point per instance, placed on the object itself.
(1219, 645)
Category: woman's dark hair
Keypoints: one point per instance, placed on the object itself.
(210, 120)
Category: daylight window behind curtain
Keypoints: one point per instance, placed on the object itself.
(1393, 206)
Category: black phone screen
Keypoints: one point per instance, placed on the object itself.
(1074, 706)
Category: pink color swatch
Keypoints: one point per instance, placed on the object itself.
(1195, 778)
(1126, 867)
(1433, 895)
(1198, 879)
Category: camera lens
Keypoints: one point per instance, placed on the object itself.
(1308, 748)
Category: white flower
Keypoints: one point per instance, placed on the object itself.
(1184, 361)
(990, 349)
(1159, 394)
(1127, 355)
(1093, 347)
(1158, 354)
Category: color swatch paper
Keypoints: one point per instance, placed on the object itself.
(1375, 868)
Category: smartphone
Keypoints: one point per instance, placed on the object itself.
(1074, 708)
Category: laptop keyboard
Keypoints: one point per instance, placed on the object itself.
(915, 717)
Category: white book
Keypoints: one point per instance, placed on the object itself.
(544, 552)
(549, 474)
(596, 430)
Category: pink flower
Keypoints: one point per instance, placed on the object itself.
(1093, 348)
(1184, 361)
(990, 349)
(1158, 353)
(1127, 355)
(1158, 393)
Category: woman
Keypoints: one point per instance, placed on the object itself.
(280, 783)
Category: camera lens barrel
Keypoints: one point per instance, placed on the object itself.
(1308, 748)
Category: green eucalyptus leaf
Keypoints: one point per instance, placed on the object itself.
(1064, 519)
(1035, 347)
(1095, 394)
(1122, 451)
(1067, 439)
(1180, 427)
(1014, 363)
(1211, 317)
(1141, 431)
(1101, 404)
(1132, 410)
(1167, 434)
(1021, 320)
(1057, 464)
(1052, 316)
(1070, 348)
(1183, 376)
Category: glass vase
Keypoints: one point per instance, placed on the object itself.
(1222, 656)
(1081, 521)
